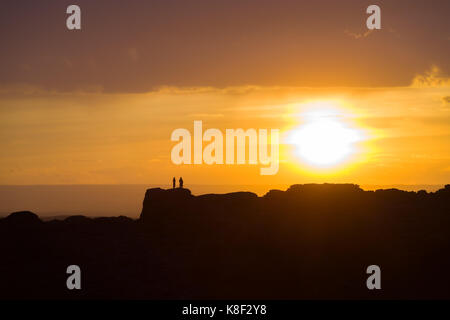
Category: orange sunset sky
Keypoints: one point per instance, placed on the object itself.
(98, 106)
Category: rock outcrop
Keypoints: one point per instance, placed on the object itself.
(159, 200)
(23, 219)
(308, 242)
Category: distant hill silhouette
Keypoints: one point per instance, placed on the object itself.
(22, 219)
(310, 241)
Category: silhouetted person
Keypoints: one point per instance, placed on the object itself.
(181, 182)
(174, 182)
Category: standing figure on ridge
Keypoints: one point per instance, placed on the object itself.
(174, 182)
(181, 182)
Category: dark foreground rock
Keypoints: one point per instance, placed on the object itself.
(308, 242)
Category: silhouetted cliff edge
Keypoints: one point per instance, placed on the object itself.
(310, 241)
(160, 204)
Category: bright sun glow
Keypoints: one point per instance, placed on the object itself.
(324, 139)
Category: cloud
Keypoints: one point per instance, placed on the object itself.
(298, 44)
(358, 35)
(431, 79)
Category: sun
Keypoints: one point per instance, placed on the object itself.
(324, 139)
